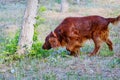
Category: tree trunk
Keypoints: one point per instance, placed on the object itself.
(64, 6)
(27, 28)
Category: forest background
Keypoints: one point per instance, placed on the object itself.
(39, 64)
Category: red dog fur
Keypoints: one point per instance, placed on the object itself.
(74, 31)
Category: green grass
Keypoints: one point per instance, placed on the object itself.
(56, 64)
(105, 51)
(114, 63)
(49, 76)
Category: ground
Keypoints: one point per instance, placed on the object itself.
(59, 66)
(63, 68)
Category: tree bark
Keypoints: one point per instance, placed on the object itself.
(27, 28)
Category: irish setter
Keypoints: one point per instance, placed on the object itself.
(74, 31)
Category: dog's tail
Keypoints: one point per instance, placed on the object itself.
(114, 21)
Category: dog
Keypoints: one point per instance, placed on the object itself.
(74, 31)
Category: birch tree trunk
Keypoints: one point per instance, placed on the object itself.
(27, 28)
(64, 6)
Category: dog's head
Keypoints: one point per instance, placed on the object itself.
(51, 41)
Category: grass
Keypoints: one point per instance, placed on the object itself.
(58, 65)
(53, 69)
(49, 76)
(105, 51)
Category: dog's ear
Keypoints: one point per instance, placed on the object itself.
(54, 34)
(60, 35)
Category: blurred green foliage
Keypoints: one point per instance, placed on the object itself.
(36, 50)
(105, 51)
(9, 49)
(39, 18)
(11, 44)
